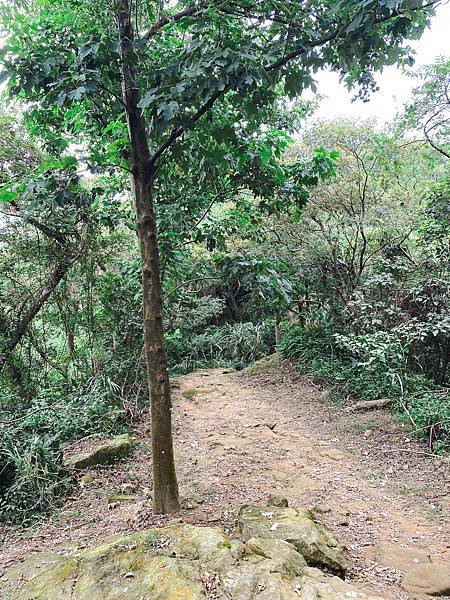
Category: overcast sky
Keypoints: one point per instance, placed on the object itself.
(395, 86)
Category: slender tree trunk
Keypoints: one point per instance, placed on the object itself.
(277, 331)
(18, 331)
(165, 487)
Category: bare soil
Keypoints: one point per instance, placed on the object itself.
(242, 436)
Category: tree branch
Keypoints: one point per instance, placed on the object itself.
(169, 20)
(185, 283)
(337, 33)
(176, 133)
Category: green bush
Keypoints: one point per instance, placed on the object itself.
(233, 345)
(380, 375)
(430, 411)
(32, 480)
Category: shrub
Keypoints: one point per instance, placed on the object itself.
(32, 479)
(233, 345)
(373, 367)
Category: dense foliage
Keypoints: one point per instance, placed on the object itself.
(335, 235)
(372, 306)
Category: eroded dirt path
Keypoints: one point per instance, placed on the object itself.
(243, 436)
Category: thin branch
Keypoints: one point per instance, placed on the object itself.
(112, 93)
(206, 212)
(169, 20)
(176, 133)
(185, 283)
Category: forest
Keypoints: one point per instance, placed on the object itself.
(170, 201)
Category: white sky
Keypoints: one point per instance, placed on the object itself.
(395, 86)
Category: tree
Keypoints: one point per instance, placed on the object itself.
(429, 110)
(169, 69)
(47, 197)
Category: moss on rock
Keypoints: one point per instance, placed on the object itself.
(104, 453)
(181, 562)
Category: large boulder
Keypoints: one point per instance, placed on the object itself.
(399, 557)
(432, 579)
(98, 452)
(177, 562)
(298, 527)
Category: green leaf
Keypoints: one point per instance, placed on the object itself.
(6, 196)
(168, 110)
(77, 93)
(148, 98)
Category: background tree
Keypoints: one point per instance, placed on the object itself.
(429, 111)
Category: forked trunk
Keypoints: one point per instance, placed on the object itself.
(165, 487)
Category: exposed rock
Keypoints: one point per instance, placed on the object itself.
(117, 498)
(322, 509)
(190, 393)
(277, 501)
(333, 453)
(432, 579)
(282, 554)
(101, 454)
(316, 585)
(325, 395)
(264, 364)
(127, 488)
(197, 497)
(313, 540)
(192, 501)
(86, 479)
(177, 562)
(390, 555)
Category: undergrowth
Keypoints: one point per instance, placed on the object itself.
(416, 399)
(32, 478)
(232, 345)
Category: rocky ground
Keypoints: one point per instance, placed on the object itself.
(243, 436)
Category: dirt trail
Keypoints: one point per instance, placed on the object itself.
(243, 436)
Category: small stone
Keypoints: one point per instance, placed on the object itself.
(325, 396)
(432, 579)
(86, 479)
(367, 433)
(333, 453)
(121, 498)
(321, 509)
(198, 498)
(127, 489)
(277, 501)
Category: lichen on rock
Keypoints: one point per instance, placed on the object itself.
(313, 540)
(177, 562)
(102, 453)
